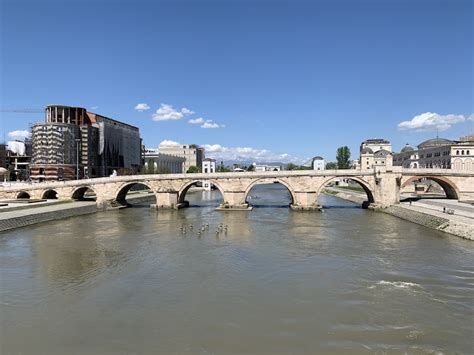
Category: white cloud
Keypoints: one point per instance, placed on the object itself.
(430, 121)
(142, 107)
(94, 107)
(471, 117)
(168, 112)
(167, 142)
(220, 152)
(199, 120)
(186, 111)
(210, 124)
(18, 134)
(205, 123)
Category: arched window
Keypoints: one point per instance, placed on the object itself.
(458, 164)
(462, 152)
(457, 152)
(468, 164)
(467, 152)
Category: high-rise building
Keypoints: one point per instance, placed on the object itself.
(74, 143)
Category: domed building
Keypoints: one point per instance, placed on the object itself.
(438, 153)
(407, 148)
(374, 152)
(434, 143)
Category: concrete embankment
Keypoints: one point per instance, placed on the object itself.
(27, 217)
(457, 225)
(430, 219)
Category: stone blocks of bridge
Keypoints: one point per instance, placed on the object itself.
(305, 201)
(167, 200)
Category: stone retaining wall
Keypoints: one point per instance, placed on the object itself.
(456, 228)
(459, 229)
(34, 218)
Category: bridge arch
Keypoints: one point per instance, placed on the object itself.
(122, 191)
(186, 186)
(78, 194)
(449, 187)
(263, 181)
(49, 194)
(362, 183)
(23, 194)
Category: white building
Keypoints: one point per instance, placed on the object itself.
(319, 163)
(159, 163)
(208, 167)
(438, 153)
(263, 168)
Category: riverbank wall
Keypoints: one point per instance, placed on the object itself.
(17, 219)
(457, 228)
(425, 218)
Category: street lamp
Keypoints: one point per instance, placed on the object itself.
(77, 158)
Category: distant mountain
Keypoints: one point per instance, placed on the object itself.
(247, 162)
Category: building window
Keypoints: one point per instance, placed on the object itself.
(457, 152)
(462, 152)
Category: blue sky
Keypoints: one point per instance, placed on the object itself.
(282, 80)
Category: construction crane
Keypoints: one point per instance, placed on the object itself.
(23, 110)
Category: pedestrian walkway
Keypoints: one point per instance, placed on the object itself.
(458, 216)
(44, 209)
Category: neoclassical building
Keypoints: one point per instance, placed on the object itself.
(438, 153)
(159, 163)
(374, 153)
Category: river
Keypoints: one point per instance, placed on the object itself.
(278, 281)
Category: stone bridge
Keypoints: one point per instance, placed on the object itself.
(381, 186)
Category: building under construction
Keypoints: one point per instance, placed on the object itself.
(73, 143)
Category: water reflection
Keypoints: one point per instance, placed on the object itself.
(278, 281)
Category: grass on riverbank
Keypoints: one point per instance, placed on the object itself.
(351, 188)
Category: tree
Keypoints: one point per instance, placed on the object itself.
(150, 166)
(193, 169)
(331, 166)
(291, 166)
(343, 155)
(251, 167)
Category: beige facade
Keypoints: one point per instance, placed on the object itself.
(160, 163)
(193, 154)
(374, 153)
(376, 144)
(438, 153)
